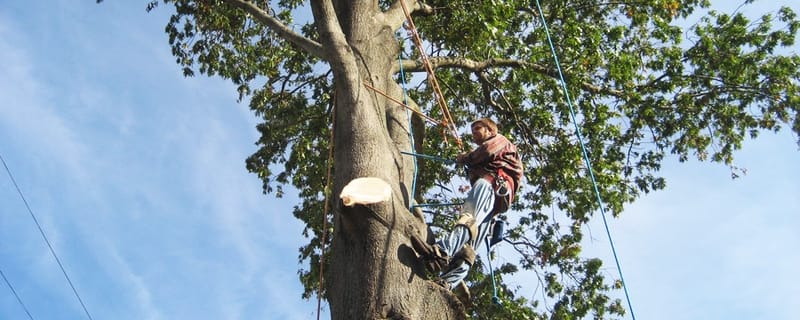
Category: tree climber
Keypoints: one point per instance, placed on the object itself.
(494, 171)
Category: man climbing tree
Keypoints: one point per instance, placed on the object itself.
(640, 90)
(494, 170)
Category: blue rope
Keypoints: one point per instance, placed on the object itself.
(495, 298)
(410, 130)
(585, 156)
(438, 204)
(425, 156)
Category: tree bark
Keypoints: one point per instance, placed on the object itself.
(373, 272)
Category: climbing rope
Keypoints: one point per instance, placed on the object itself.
(410, 131)
(326, 207)
(447, 122)
(585, 155)
(425, 156)
(448, 119)
(495, 298)
(446, 204)
(400, 103)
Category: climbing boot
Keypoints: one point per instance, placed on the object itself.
(433, 257)
(466, 255)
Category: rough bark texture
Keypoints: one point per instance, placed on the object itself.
(373, 273)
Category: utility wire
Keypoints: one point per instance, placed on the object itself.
(41, 231)
(16, 295)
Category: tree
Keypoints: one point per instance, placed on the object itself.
(640, 92)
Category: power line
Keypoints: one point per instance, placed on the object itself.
(16, 295)
(41, 231)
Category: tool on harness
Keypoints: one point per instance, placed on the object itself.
(498, 232)
(503, 193)
(501, 188)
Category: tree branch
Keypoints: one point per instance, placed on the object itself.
(310, 46)
(395, 16)
(333, 38)
(480, 66)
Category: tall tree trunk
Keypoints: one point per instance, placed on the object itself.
(373, 272)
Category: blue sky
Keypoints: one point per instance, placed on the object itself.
(137, 176)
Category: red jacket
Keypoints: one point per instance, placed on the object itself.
(496, 157)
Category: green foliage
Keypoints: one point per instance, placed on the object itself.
(641, 92)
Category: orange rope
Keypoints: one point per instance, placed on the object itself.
(448, 119)
(432, 120)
